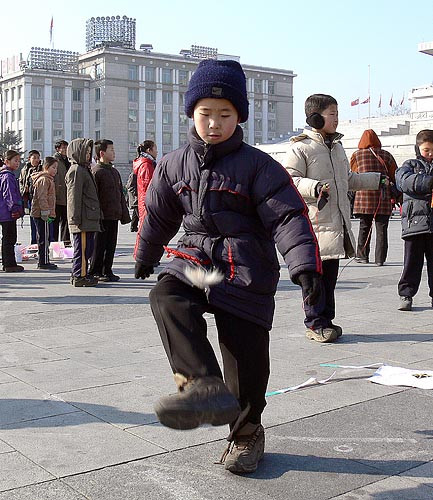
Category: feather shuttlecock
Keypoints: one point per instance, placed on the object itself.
(201, 278)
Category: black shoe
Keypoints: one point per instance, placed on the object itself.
(13, 269)
(49, 266)
(201, 400)
(379, 263)
(109, 278)
(338, 329)
(83, 281)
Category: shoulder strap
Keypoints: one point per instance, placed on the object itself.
(380, 159)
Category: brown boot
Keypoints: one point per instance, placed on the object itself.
(201, 400)
(244, 453)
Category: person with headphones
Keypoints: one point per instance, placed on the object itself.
(317, 162)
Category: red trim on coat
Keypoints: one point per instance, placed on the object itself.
(231, 262)
(230, 191)
(183, 255)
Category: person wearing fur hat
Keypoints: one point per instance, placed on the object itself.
(84, 212)
(236, 203)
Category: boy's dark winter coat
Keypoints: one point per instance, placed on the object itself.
(235, 201)
(110, 192)
(415, 179)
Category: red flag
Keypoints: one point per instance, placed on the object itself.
(390, 101)
(51, 29)
(380, 101)
(366, 101)
(402, 100)
(355, 102)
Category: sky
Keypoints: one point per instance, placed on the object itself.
(331, 46)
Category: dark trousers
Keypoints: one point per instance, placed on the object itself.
(9, 238)
(61, 223)
(321, 314)
(83, 250)
(415, 248)
(33, 231)
(43, 238)
(178, 310)
(134, 220)
(105, 246)
(364, 237)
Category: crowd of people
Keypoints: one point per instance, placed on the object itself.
(237, 206)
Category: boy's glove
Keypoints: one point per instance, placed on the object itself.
(16, 215)
(310, 282)
(142, 271)
(321, 191)
(51, 220)
(45, 214)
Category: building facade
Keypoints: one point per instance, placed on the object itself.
(128, 96)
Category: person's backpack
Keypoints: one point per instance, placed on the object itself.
(131, 186)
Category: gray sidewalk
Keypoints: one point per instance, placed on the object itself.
(81, 368)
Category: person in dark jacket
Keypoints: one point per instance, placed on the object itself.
(373, 205)
(11, 209)
(61, 220)
(236, 203)
(32, 166)
(84, 212)
(415, 179)
(113, 207)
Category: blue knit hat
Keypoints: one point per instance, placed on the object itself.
(219, 80)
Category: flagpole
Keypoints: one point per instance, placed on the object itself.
(369, 96)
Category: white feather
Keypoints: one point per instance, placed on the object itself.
(201, 278)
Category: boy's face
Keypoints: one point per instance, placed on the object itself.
(426, 149)
(34, 160)
(88, 154)
(52, 169)
(62, 149)
(215, 119)
(330, 114)
(109, 155)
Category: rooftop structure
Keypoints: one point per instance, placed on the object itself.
(114, 31)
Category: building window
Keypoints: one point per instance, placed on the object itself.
(183, 77)
(167, 97)
(76, 116)
(98, 71)
(271, 88)
(166, 139)
(132, 72)
(182, 139)
(13, 115)
(258, 86)
(258, 124)
(97, 135)
(57, 115)
(132, 95)
(181, 99)
(6, 95)
(149, 74)
(166, 118)
(97, 94)
(37, 114)
(13, 94)
(150, 116)
(132, 115)
(57, 94)
(20, 91)
(167, 75)
(150, 136)
(37, 134)
(272, 106)
(183, 119)
(150, 96)
(132, 139)
(272, 126)
(76, 95)
(37, 92)
(76, 134)
(20, 114)
(57, 134)
(257, 105)
(7, 116)
(97, 115)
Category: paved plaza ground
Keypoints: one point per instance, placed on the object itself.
(80, 370)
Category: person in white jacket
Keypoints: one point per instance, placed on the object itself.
(317, 162)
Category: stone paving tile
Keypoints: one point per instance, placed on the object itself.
(5, 448)
(20, 402)
(19, 353)
(422, 474)
(61, 376)
(74, 443)
(392, 488)
(51, 490)
(52, 338)
(16, 470)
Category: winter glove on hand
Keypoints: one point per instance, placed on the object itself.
(16, 215)
(142, 271)
(45, 214)
(310, 283)
(51, 220)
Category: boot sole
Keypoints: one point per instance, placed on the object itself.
(184, 419)
(321, 340)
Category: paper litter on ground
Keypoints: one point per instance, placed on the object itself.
(309, 382)
(394, 375)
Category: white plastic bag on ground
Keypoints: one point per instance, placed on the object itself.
(393, 375)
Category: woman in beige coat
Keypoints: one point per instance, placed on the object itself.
(320, 170)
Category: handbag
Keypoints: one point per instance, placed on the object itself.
(396, 195)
